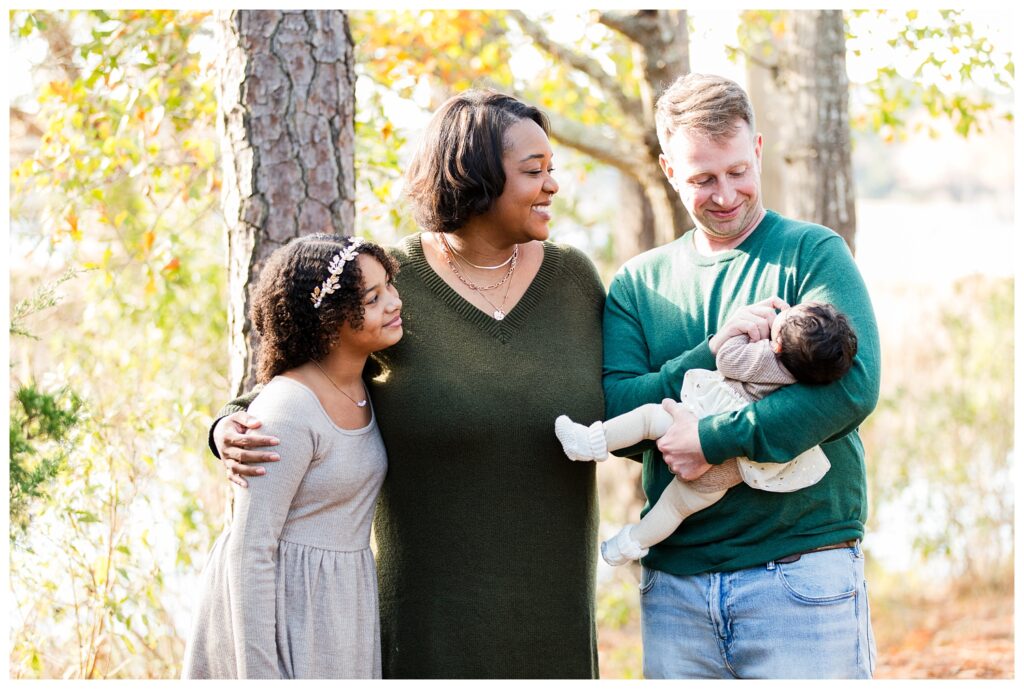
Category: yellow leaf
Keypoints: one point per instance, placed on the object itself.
(120, 218)
(100, 568)
(148, 239)
(73, 230)
(150, 286)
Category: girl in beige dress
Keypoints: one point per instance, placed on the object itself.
(290, 587)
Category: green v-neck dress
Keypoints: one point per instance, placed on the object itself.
(486, 532)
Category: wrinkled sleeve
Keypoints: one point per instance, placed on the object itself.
(259, 515)
(751, 362)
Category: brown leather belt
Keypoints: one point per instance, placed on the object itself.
(796, 556)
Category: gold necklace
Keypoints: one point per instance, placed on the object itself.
(498, 313)
(331, 381)
(449, 256)
(515, 253)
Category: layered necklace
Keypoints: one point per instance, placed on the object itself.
(361, 403)
(453, 258)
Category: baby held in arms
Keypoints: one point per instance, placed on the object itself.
(810, 343)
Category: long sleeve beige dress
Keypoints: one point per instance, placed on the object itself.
(290, 587)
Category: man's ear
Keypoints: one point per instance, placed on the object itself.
(666, 167)
(776, 346)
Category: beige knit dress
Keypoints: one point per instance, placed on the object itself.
(290, 587)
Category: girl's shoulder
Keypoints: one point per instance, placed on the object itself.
(285, 400)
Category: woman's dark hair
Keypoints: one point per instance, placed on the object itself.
(292, 331)
(456, 172)
(818, 344)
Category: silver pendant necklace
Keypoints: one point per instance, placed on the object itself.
(361, 403)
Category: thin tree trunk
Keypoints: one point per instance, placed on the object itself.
(665, 56)
(816, 144)
(634, 222)
(662, 54)
(286, 99)
(770, 121)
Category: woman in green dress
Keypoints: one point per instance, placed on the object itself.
(486, 535)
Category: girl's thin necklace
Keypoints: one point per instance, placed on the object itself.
(331, 381)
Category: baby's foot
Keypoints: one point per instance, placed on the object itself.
(581, 443)
(622, 548)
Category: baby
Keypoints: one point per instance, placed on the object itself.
(809, 343)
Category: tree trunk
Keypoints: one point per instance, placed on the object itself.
(662, 54)
(815, 142)
(287, 107)
(634, 223)
(770, 121)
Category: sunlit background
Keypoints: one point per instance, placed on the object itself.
(131, 343)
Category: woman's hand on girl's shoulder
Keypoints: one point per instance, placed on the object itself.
(232, 437)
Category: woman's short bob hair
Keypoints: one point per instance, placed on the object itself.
(457, 170)
(292, 330)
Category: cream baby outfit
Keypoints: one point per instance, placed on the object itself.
(747, 371)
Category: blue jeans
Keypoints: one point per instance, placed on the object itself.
(804, 619)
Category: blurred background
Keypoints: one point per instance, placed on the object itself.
(119, 285)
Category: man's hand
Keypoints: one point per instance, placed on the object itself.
(231, 436)
(681, 444)
(754, 321)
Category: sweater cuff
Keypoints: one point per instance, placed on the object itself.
(716, 444)
(209, 438)
(701, 356)
(226, 410)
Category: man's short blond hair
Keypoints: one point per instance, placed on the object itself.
(703, 104)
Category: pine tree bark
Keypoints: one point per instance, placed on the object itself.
(286, 95)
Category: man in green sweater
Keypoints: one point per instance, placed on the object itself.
(759, 585)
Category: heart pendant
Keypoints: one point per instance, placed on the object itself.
(361, 404)
(498, 315)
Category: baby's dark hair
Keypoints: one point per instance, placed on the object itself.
(818, 344)
(292, 330)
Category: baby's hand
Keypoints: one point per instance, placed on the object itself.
(754, 321)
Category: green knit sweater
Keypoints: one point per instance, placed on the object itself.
(662, 309)
(486, 533)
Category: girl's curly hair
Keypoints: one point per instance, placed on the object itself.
(291, 330)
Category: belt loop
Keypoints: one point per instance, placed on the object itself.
(770, 566)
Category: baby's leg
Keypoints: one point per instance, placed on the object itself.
(681, 499)
(593, 443)
(677, 502)
(648, 422)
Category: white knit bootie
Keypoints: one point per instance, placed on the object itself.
(581, 443)
(622, 548)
